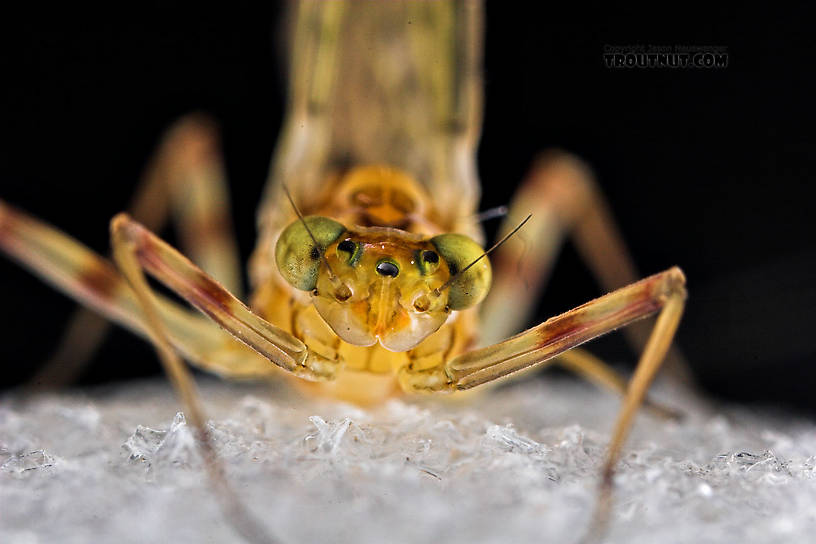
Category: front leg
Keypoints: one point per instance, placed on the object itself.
(664, 292)
(566, 201)
(94, 282)
(556, 335)
(137, 248)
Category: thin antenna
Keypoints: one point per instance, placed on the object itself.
(332, 275)
(495, 246)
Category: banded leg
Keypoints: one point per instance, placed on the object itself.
(561, 193)
(244, 348)
(93, 281)
(184, 179)
(71, 267)
(125, 255)
(184, 278)
(664, 292)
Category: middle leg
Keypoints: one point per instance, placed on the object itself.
(565, 200)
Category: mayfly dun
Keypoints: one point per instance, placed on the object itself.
(370, 276)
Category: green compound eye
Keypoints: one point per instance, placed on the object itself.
(297, 256)
(459, 251)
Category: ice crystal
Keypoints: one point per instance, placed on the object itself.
(517, 464)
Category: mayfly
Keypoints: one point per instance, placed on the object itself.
(369, 276)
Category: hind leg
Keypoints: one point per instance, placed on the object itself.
(184, 180)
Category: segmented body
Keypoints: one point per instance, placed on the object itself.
(381, 131)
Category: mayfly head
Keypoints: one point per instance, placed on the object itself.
(376, 284)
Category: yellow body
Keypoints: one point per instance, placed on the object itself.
(393, 219)
(381, 130)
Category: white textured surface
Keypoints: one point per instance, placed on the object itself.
(518, 464)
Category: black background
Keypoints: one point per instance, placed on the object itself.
(708, 169)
